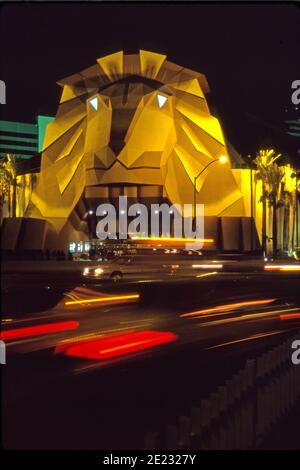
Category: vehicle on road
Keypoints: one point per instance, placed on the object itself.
(145, 266)
(128, 267)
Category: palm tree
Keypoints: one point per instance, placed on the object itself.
(275, 176)
(290, 191)
(8, 179)
(5, 182)
(11, 167)
(270, 175)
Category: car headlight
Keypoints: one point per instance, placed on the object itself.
(86, 271)
(98, 271)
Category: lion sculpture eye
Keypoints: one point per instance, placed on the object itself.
(94, 103)
(161, 100)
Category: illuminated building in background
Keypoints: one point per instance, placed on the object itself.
(22, 139)
(138, 126)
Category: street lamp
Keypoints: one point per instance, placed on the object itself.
(222, 159)
(252, 167)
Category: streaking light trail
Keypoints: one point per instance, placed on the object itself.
(119, 345)
(228, 307)
(104, 299)
(173, 239)
(207, 266)
(242, 340)
(28, 331)
(282, 267)
(290, 316)
(207, 274)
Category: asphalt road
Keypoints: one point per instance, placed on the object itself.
(162, 343)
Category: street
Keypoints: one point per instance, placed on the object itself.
(106, 363)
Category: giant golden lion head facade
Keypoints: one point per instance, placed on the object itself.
(135, 125)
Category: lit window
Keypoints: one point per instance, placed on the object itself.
(72, 247)
(161, 100)
(94, 103)
(79, 247)
(87, 246)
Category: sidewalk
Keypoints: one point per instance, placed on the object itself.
(286, 435)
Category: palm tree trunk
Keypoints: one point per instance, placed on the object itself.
(294, 195)
(1, 213)
(14, 199)
(9, 202)
(264, 221)
(286, 217)
(291, 223)
(274, 229)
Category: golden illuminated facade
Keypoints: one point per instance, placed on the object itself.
(135, 125)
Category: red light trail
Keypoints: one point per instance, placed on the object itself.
(28, 331)
(118, 345)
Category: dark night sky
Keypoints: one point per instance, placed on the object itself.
(249, 53)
